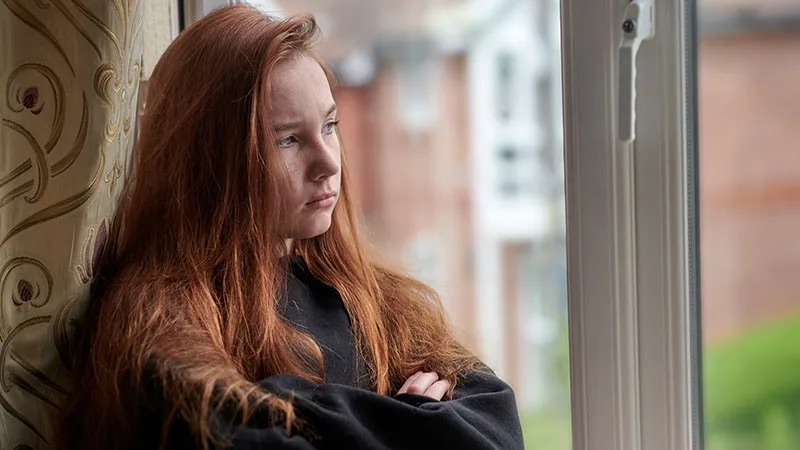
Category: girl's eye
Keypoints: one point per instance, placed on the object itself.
(330, 127)
(287, 142)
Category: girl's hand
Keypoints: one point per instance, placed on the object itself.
(427, 384)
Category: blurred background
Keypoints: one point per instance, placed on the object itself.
(451, 118)
(749, 118)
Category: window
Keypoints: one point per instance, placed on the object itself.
(749, 193)
(516, 172)
(417, 101)
(505, 85)
(682, 260)
(679, 249)
(631, 231)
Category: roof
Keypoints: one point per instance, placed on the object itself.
(735, 16)
(353, 24)
(761, 6)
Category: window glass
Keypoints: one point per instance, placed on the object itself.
(749, 157)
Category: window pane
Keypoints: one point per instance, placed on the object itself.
(749, 136)
(451, 120)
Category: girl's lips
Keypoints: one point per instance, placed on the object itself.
(323, 201)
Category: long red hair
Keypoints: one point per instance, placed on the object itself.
(193, 269)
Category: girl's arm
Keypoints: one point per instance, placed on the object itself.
(481, 415)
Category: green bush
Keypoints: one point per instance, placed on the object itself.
(546, 430)
(751, 386)
(752, 389)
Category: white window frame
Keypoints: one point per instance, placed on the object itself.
(634, 380)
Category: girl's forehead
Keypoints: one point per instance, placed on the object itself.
(298, 85)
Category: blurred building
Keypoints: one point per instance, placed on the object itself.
(749, 105)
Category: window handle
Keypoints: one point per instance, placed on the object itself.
(638, 25)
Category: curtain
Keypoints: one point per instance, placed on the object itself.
(69, 81)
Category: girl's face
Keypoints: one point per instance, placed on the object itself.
(304, 120)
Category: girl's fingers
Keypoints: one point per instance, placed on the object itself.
(421, 384)
(438, 389)
(407, 384)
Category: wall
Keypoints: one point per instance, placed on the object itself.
(750, 179)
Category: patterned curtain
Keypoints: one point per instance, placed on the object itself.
(69, 82)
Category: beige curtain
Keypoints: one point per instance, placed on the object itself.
(69, 81)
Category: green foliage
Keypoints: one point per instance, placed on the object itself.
(549, 428)
(752, 389)
(751, 386)
(546, 430)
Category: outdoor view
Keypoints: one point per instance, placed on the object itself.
(451, 119)
(749, 152)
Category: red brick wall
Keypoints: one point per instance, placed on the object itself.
(412, 184)
(749, 92)
(356, 122)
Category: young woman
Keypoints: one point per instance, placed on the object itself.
(236, 305)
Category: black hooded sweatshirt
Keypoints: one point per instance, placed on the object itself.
(344, 413)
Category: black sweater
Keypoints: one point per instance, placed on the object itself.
(344, 413)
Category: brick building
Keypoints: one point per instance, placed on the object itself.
(749, 112)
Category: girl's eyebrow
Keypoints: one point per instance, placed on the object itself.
(285, 126)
